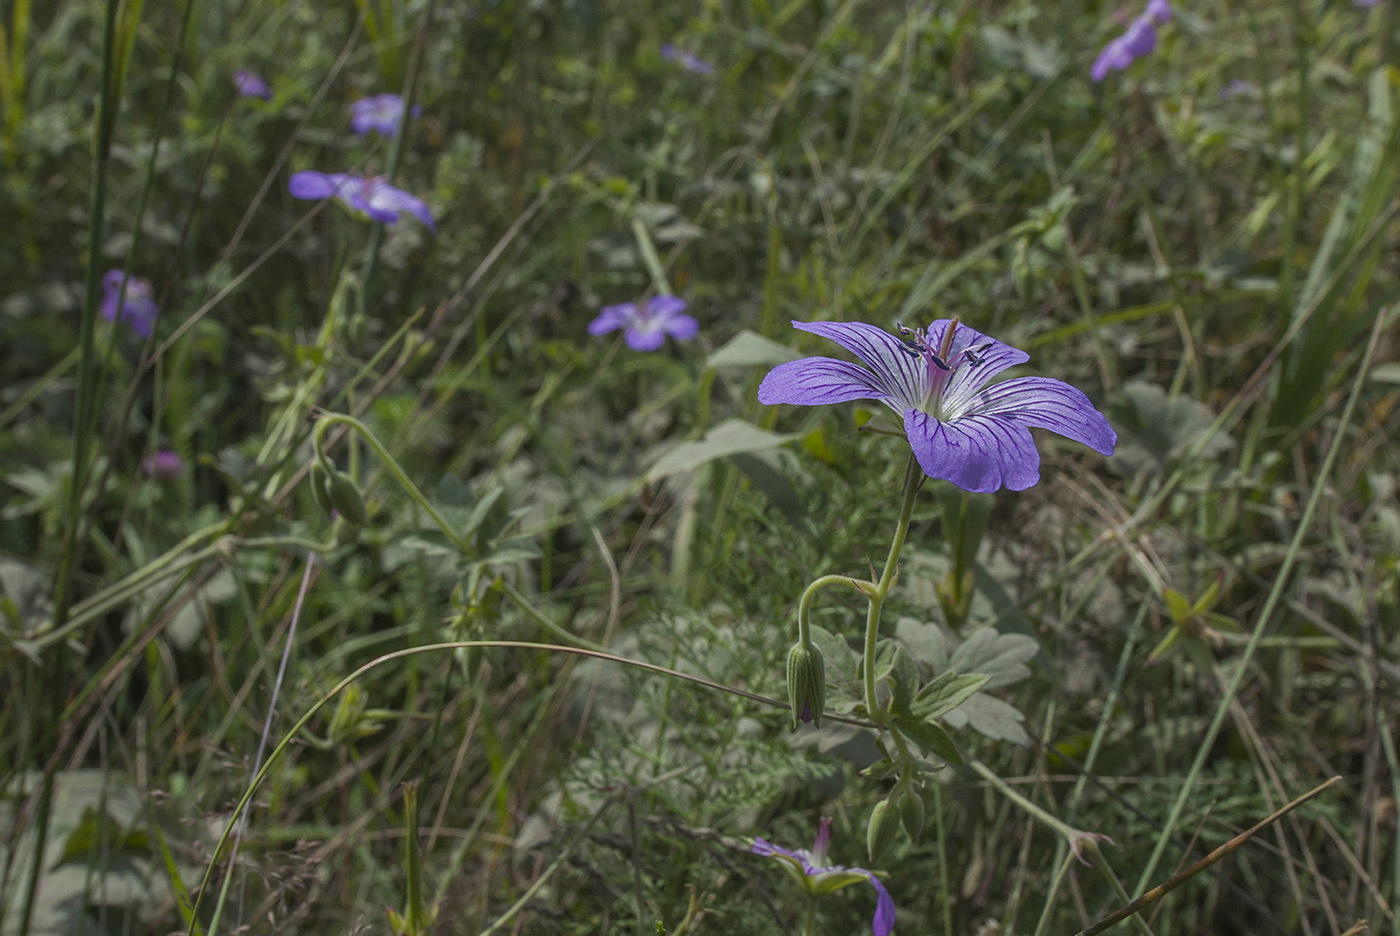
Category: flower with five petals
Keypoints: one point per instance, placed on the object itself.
(961, 429)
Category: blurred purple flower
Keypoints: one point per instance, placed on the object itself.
(687, 60)
(372, 195)
(164, 465)
(646, 327)
(1367, 3)
(251, 84)
(1237, 88)
(380, 113)
(138, 309)
(1139, 39)
(976, 436)
(812, 872)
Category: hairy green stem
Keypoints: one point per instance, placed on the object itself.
(804, 606)
(912, 481)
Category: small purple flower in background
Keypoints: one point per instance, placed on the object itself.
(687, 60)
(1237, 88)
(976, 436)
(164, 465)
(1367, 3)
(646, 327)
(1140, 39)
(814, 875)
(251, 84)
(380, 113)
(370, 194)
(138, 309)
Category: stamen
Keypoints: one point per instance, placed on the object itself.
(974, 355)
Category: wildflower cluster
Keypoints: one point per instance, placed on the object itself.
(372, 196)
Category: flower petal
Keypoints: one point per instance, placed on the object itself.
(665, 306)
(818, 380)
(769, 850)
(384, 202)
(883, 922)
(611, 318)
(900, 375)
(645, 335)
(312, 184)
(681, 327)
(977, 453)
(1045, 403)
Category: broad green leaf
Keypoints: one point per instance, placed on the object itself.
(991, 717)
(931, 737)
(1002, 657)
(1177, 605)
(947, 692)
(731, 437)
(842, 666)
(750, 349)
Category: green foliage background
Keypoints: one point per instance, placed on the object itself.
(1203, 242)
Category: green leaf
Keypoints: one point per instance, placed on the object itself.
(903, 677)
(931, 737)
(97, 830)
(1155, 430)
(731, 437)
(946, 693)
(1002, 657)
(750, 349)
(1177, 605)
(990, 717)
(842, 666)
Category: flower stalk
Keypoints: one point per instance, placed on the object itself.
(913, 479)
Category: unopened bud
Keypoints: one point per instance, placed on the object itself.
(911, 813)
(347, 499)
(883, 827)
(806, 680)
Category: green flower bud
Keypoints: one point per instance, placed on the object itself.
(883, 827)
(911, 813)
(806, 681)
(347, 499)
(320, 486)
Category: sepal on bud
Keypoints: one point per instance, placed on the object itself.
(806, 681)
(345, 496)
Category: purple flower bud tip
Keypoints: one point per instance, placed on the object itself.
(251, 84)
(134, 306)
(961, 429)
(379, 113)
(371, 195)
(647, 326)
(164, 465)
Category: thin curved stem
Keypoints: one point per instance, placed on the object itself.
(394, 467)
(912, 480)
(804, 606)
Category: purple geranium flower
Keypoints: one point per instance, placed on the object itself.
(976, 436)
(687, 60)
(380, 113)
(812, 872)
(138, 309)
(646, 327)
(1139, 39)
(164, 465)
(251, 84)
(372, 195)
